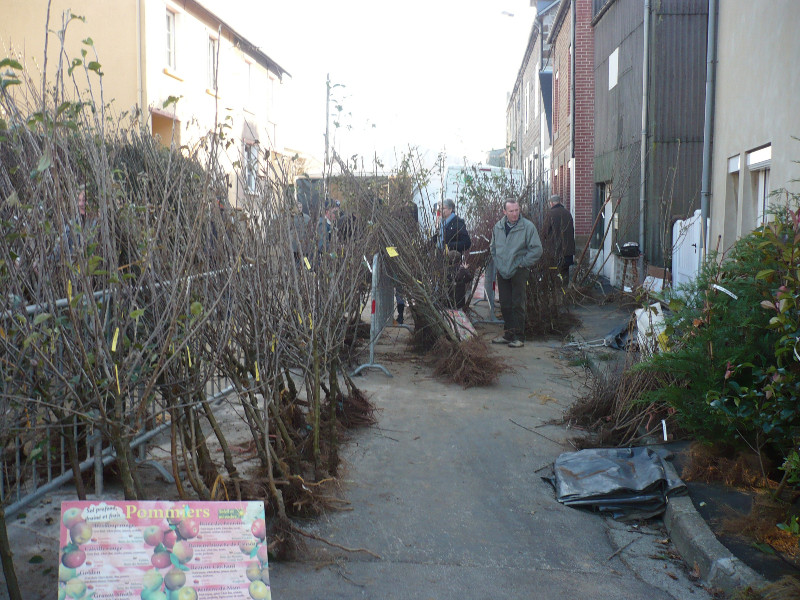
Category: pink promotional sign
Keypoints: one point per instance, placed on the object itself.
(162, 550)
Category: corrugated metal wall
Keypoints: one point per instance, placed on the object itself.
(675, 115)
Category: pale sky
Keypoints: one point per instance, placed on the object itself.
(433, 74)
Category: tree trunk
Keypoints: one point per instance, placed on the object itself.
(315, 401)
(68, 433)
(126, 473)
(333, 399)
(8, 560)
(227, 458)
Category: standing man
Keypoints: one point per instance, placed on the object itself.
(325, 226)
(559, 236)
(299, 233)
(453, 233)
(515, 249)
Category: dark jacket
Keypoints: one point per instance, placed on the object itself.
(559, 232)
(456, 236)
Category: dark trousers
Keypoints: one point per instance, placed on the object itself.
(512, 303)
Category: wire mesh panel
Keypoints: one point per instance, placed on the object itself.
(381, 313)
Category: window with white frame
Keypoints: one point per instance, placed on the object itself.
(758, 163)
(249, 71)
(213, 45)
(250, 167)
(527, 105)
(170, 39)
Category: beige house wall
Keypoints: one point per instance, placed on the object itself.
(758, 82)
(242, 98)
(22, 33)
(130, 38)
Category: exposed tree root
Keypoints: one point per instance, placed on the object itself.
(468, 363)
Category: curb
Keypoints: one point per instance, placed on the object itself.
(698, 545)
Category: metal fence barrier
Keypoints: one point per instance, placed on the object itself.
(489, 277)
(382, 311)
(33, 478)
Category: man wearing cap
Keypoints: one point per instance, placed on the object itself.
(559, 236)
(515, 248)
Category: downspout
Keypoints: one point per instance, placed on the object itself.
(572, 93)
(540, 166)
(708, 128)
(643, 157)
(139, 66)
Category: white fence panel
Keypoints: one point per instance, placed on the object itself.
(685, 247)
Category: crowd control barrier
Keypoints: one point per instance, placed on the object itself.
(382, 311)
(488, 294)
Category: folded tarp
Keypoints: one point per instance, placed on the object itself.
(629, 483)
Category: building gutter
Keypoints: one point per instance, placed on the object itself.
(572, 87)
(139, 65)
(643, 157)
(708, 128)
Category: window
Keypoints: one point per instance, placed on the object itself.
(250, 167)
(758, 163)
(527, 105)
(212, 63)
(249, 99)
(171, 62)
(598, 214)
(613, 68)
(555, 105)
(569, 71)
(731, 223)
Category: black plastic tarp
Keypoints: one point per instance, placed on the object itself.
(628, 483)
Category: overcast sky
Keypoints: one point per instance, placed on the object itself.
(433, 74)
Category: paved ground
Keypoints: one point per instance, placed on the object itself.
(446, 490)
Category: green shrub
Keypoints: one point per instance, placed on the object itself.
(732, 337)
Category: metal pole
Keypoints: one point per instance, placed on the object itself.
(708, 128)
(643, 157)
(327, 133)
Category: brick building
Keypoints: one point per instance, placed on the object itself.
(572, 55)
(529, 111)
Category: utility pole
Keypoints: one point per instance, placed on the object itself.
(326, 166)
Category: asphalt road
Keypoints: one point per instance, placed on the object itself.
(447, 491)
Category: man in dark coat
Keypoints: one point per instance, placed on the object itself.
(453, 234)
(559, 236)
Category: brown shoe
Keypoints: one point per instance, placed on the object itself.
(516, 344)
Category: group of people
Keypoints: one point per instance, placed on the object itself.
(515, 248)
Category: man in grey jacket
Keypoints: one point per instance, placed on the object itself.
(515, 249)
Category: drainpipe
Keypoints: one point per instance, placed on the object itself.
(540, 174)
(139, 66)
(572, 82)
(572, 92)
(708, 128)
(643, 158)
